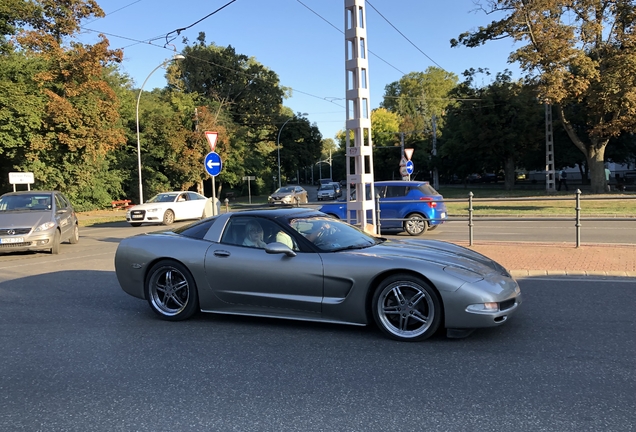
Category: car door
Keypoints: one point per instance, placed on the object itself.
(301, 194)
(250, 280)
(63, 216)
(196, 205)
(391, 203)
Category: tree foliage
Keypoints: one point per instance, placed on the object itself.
(493, 128)
(582, 56)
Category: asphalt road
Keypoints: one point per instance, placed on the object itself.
(79, 354)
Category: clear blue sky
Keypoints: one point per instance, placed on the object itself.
(296, 39)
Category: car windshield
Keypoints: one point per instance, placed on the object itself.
(37, 202)
(163, 197)
(284, 189)
(326, 187)
(332, 235)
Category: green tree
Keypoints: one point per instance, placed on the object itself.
(581, 54)
(67, 131)
(493, 128)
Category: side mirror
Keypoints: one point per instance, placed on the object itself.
(279, 248)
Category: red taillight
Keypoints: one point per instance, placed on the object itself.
(431, 203)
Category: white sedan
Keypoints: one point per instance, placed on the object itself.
(167, 207)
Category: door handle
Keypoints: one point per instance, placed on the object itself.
(221, 253)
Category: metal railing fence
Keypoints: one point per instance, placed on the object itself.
(470, 218)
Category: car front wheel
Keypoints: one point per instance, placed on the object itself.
(406, 308)
(74, 235)
(168, 217)
(55, 246)
(415, 224)
(171, 291)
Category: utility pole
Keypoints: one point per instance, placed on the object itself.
(358, 121)
(435, 173)
(549, 151)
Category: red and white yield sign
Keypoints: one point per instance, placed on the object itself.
(211, 136)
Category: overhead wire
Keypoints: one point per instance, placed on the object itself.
(332, 25)
(402, 34)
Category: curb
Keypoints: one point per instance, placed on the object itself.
(580, 273)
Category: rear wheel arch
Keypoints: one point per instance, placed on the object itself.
(191, 307)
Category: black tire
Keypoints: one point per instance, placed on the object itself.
(415, 224)
(171, 291)
(55, 247)
(135, 224)
(168, 217)
(406, 308)
(431, 227)
(74, 235)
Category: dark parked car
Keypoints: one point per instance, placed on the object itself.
(411, 206)
(36, 220)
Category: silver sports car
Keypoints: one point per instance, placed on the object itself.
(299, 264)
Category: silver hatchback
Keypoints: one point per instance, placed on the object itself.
(36, 220)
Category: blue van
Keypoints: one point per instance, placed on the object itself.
(411, 206)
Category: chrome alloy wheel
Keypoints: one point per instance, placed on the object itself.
(169, 291)
(406, 310)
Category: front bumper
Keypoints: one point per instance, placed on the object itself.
(496, 288)
(30, 242)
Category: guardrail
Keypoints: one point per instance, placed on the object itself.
(577, 219)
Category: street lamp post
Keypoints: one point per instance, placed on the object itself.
(278, 144)
(141, 193)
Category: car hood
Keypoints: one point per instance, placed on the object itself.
(147, 206)
(281, 195)
(441, 253)
(23, 219)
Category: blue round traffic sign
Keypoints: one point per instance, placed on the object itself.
(213, 164)
(409, 167)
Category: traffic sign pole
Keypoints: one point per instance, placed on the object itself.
(213, 164)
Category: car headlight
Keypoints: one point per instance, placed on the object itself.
(287, 198)
(152, 210)
(45, 226)
(483, 307)
(269, 198)
(464, 274)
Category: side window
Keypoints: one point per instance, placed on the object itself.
(395, 191)
(60, 203)
(193, 197)
(255, 232)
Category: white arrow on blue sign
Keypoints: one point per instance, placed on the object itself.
(213, 164)
(409, 167)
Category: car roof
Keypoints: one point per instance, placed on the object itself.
(281, 213)
(30, 192)
(400, 182)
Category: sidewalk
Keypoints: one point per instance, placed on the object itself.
(560, 259)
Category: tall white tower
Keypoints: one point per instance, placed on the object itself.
(359, 152)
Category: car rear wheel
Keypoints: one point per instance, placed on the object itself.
(55, 247)
(406, 308)
(168, 217)
(171, 291)
(415, 224)
(74, 235)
